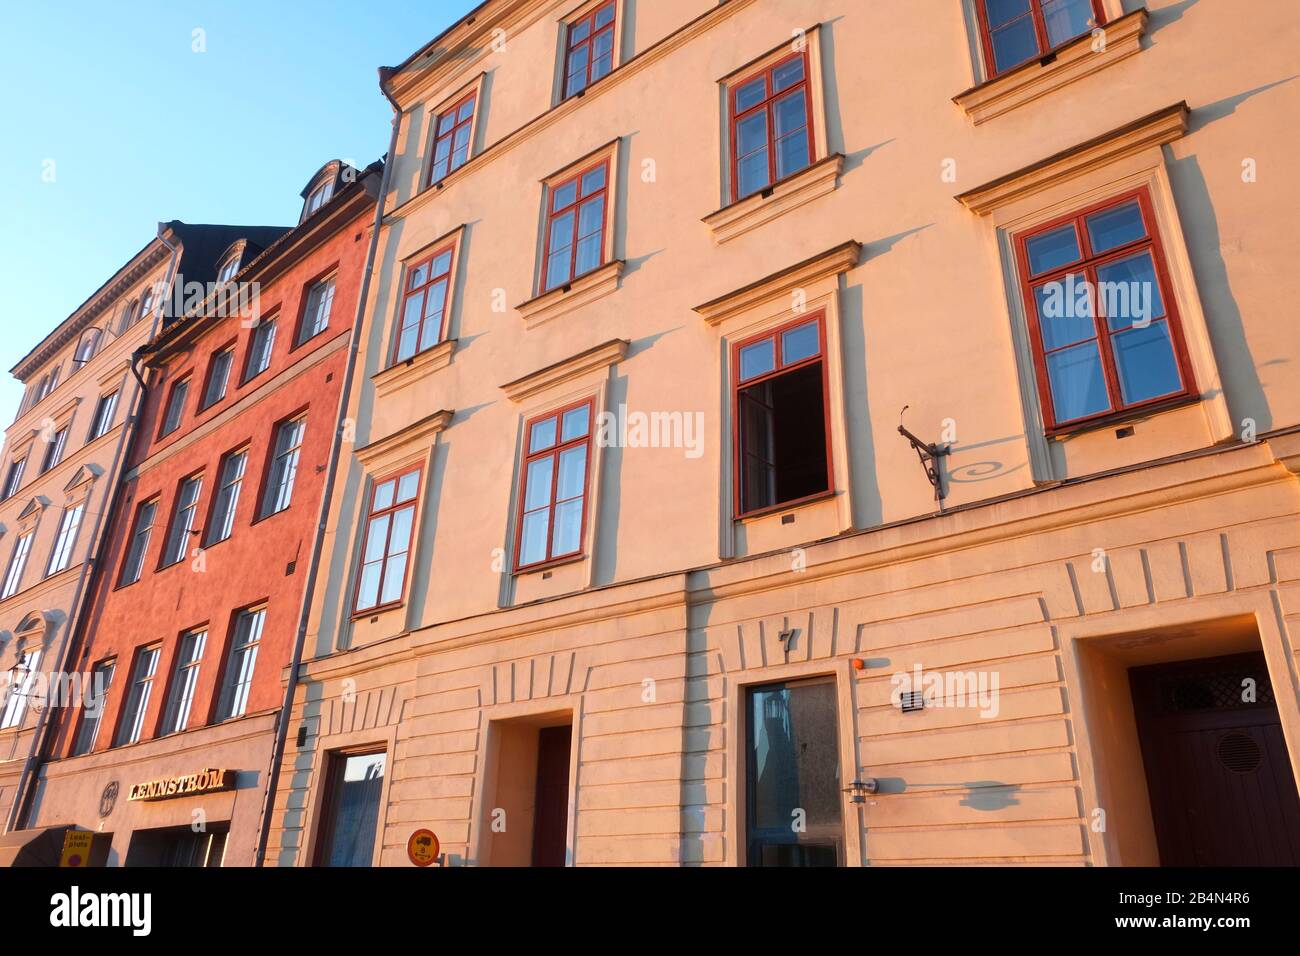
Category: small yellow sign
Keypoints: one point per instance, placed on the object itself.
(76, 848)
(422, 847)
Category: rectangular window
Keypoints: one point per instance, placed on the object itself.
(18, 689)
(389, 530)
(133, 566)
(185, 679)
(241, 663)
(316, 314)
(589, 49)
(1017, 31)
(451, 143)
(101, 678)
(177, 544)
(61, 556)
(352, 800)
(284, 466)
(1102, 317)
(771, 126)
(105, 410)
(793, 769)
(14, 477)
(424, 305)
(230, 480)
(260, 349)
(783, 451)
(175, 407)
(575, 226)
(54, 451)
(17, 564)
(218, 376)
(552, 504)
(131, 725)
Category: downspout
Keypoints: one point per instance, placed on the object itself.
(322, 520)
(75, 624)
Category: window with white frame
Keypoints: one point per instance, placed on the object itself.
(177, 544)
(284, 466)
(185, 680)
(229, 482)
(14, 476)
(130, 727)
(70, 524)
(133, 565)
(17, 564)
(105, 410)
(241, 663)
(260, 348)
(316, 313)
(18, 689)
(101, 677)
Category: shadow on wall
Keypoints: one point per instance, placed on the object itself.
(293, 819)
(1237, 368)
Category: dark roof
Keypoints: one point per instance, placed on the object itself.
(203, 245)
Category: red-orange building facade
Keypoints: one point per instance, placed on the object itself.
(195, 606)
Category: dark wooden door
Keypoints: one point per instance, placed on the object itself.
(1218, 771)
(551, 816)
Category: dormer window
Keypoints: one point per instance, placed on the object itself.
(318, 197)
(228, 270)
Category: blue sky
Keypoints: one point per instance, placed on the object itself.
(142, 128)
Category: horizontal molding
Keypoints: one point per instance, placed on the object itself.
(739, 218)
(1155, 129)
(398, 376)
(832, 262)
(581, 291)
(601, 356)
(1069, 62)
(412, 435)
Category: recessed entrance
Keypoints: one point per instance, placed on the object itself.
(526, 817)
(792, 809)
(1218, 773)
(179, 846)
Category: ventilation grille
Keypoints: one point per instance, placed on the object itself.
(1214, 690)
(1239, 753)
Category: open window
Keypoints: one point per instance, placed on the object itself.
(783, 452)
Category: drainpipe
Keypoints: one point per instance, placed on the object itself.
(322, 519)
(75, 624)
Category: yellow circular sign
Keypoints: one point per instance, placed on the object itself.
(422, 848)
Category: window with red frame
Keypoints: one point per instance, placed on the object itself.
(771, 127)
(575, 226)
(1103, 320)
(589, 49)
(451, 139)
(390, 527)
(783, 452)
(424, 305)
(1017, 31)
(553, 502)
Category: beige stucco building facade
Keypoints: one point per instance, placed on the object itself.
(629, 561)
(61, 459)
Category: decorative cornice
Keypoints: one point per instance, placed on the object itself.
(583, 290)
(601, 356)
(145, 261)
(1155, 129)
(779, 284)
(1067, 63)
(803, 187)
(397, 377)
(413, 434)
